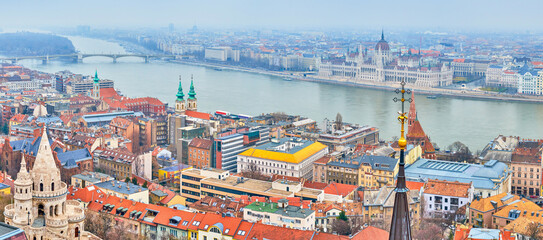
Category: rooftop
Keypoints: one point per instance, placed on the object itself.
(288, 211)
(483, 176)
(447, 188)
(120, 187)
(285, 150)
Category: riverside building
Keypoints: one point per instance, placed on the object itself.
(385, 67)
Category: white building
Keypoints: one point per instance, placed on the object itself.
(285, 156)
(280, 214)
(222, 54)
(444, 197)
(384, 67)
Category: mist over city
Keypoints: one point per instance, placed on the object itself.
(271, 120)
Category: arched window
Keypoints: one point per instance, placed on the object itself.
(41, 187)
(76, 231)
(53, 186)
(51, 211)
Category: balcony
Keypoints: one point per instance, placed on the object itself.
(51, 194)
(56, 222)
(9, 210)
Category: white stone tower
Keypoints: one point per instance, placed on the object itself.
(180, 104)
(40, 207)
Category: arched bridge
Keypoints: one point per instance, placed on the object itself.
(78, 57)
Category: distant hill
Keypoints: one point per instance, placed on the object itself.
(28, 44)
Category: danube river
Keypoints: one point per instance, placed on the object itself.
(445, 120)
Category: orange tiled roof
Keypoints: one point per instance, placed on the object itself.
(411, 185)
(200, 115)
(447, 188)
(109, 93)
(372, 233)
(528, 209)
(485, 205)
(415, 131)
(201, 143)
(339, 189)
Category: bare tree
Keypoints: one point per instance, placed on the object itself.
(534, 231)
(460, 152)
(97, 223)
(253, 172)
(339, 121)
(341, 227)
(4, 201)
(430, 231)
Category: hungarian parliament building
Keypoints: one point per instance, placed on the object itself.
(385, 67)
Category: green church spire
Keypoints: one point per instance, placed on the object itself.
(180, 94)
(192, 93)
(96, 79)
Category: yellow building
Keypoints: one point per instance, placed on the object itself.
(171, 174)
(368, 171)
(292, 157)
(5, 189)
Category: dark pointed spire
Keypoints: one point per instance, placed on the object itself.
(192, 93)
(96, 79)
(180, 94)
(382, 34)
(400, 226)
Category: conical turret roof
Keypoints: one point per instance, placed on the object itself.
(45, 162)
(96, 79)
(180, 94)
(192, 93)
(23, 177)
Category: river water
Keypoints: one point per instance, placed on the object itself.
(445, 120)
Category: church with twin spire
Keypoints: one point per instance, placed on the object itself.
(40, 207)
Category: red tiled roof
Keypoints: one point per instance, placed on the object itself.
(201, 143)
(411, 185)
(290, 178)
(261, 231)
(323, 160)
(447, 188)
(200, 115)
(315, 185)
(109, 93)
(339, 189)
(415, 131)
(372, 233)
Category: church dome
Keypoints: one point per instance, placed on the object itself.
(382, 44)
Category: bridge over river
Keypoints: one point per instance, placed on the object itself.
(78, 57)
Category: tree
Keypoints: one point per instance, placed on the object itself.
(5, 129)
(4, 201)
(341, 227)
(342, 216)
(460, 152)
(135, 181)
(430, 231)
(127, 180)
(144, 184)
(533, 230)
(253, 172)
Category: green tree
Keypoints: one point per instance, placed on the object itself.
(342, 216)
(135, 181)
(144, 184)
(5, 128)
(127, 180)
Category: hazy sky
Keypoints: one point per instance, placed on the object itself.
(492, 15)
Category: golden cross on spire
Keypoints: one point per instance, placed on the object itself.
(402, 118)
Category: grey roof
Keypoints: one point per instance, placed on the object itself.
(385, 197)
(380, 162)
(159, 193)
(120, 187)
(8, 232)
(107, 117)
(71, 158)
(30, 146)
(482, 176)
(270, 145)
(92, 177)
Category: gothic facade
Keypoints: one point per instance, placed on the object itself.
(40, 207)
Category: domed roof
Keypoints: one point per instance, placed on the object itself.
(382, 44)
